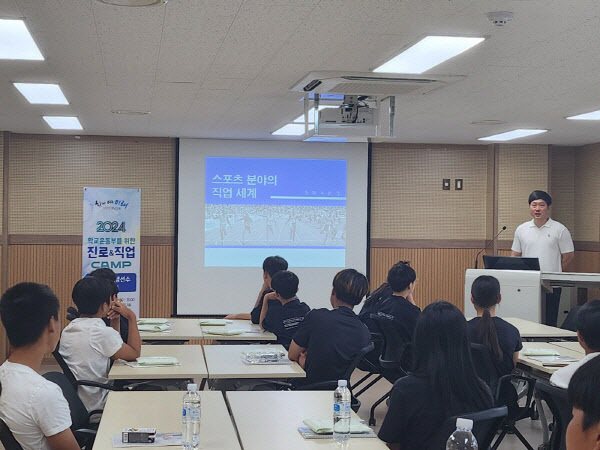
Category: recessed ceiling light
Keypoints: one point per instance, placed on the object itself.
(594, 115)
(427, 53)
(130, 112)
(488, 122)
(291, 129)
(63, 122)
(16, 41)
(311, 114)
(514, 134)
(42, 94)
(134, 2)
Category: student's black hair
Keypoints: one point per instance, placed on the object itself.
(587, 322)
(443, 355)
(106, 274)
(540, 195)
(273, 264)
(584, 392)
(486, 293)
(400, 276)
(350, 286)
(285, 283)
(379, 294)
(89, 293)
(26, 310)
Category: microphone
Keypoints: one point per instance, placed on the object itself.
(487, 245)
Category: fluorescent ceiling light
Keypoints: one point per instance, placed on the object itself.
(291, 129)
(63, 122)
(311, 114)
(427, 53)
(16, 42)
(594, 115)
(514, 134)
(43, 94)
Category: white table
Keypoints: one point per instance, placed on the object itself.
(162, 410)
(573, 346)
(225, 362)
(191, 358)
(529, 329)
(537, 365)
(182, 330)
(252, 332)
(271, 420)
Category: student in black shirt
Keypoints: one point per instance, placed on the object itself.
(400, 306)
(502, 338)
(443, 383)
(328, 340)
(284, 315)
(271, 265)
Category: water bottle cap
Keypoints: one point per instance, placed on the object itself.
(342, 383)
(464, 423)
(193, 387)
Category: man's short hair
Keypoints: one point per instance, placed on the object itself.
(106, 274)
(540, 195)
(584, 392)
(89, 293)
(285, 283)
(350, 286)
(26, 310)
(400, 276)
(587, 322)
(273, 264)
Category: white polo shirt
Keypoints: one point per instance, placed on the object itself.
(547, 243)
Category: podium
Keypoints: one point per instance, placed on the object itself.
(523, 290)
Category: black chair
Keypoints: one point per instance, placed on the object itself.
(396, 354)
(505, 393)
(556, 399)
(331, 385)
(485, 425)
(70, 376)
(569, 322)
(6, 437)
(72, 313)
(83, 430)
(370, 364)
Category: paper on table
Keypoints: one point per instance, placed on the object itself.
(541, 352)
(214, 322)
(151, 321)
(556, 361)
(157, 361)
(224, 332)
(155, 328)
(325, 426)
(161, 440)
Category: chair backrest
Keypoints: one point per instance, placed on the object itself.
(396, 351)
(79, 414)
(556, 399)
(6, 437)
(360, 355)
(569, 322)
(485, 425)
(484, 365)
(64, 366)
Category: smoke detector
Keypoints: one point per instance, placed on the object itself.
(133, 2)
(499, 18)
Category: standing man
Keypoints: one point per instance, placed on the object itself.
(548, 240)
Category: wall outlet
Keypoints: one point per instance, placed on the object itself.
(446, 184)
(458, 184)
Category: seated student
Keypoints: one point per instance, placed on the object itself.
(108, 274)
(373, 303)
(88, 345)
(32, 407)
(583, 432)
(283, 316)
(271, 265)
(502, 338)
(328, 340)
(400, 305)
(443, 383)
(588, 335)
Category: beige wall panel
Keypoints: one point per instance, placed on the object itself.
(156, 272)
(587, 193)
(47, 176)
(562, 186)
(407, 200)
(440, 272)
(522, 169)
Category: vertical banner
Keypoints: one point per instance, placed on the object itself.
(111, 238)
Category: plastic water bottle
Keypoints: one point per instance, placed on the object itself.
(462, 438)
(341, 413)
(191, 417)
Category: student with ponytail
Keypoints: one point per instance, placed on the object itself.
(502, 338)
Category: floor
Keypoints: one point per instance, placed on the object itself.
(531, 429)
